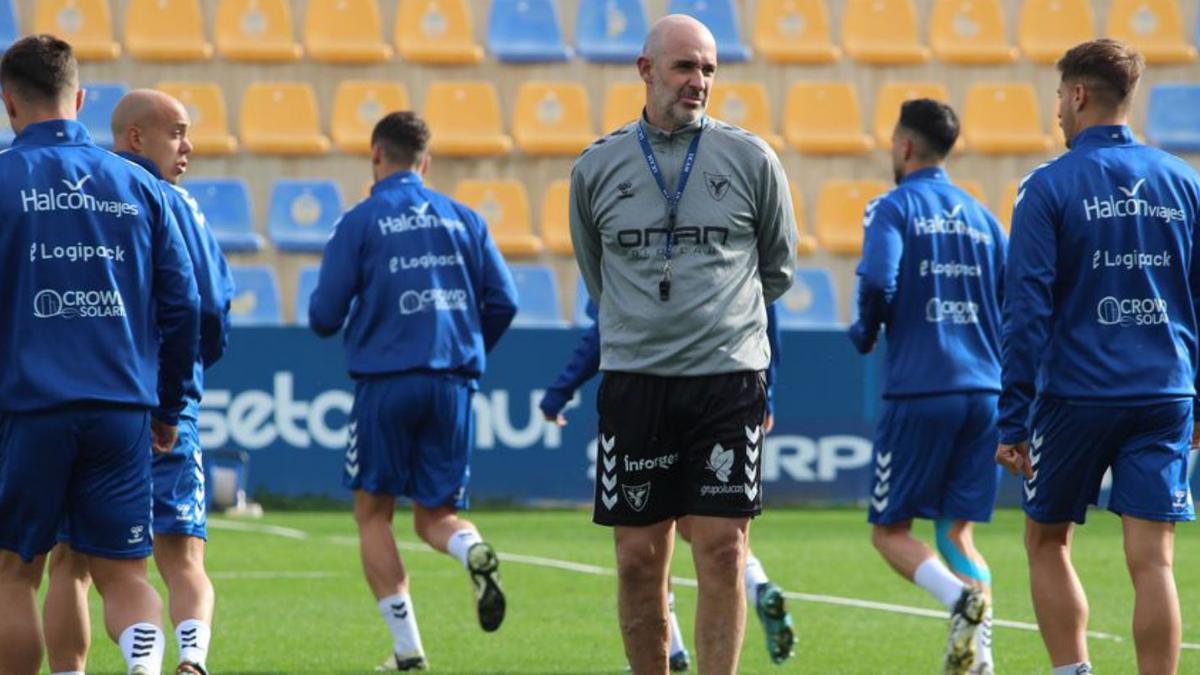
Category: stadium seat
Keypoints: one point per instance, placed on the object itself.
(973, 188)
(86, 24)
(552, 118)
(882, 32)
(280, 118)
(99, 101)
(610, 31)
(225, 203)
(806, 244)
(464, 119)
(970, 31)
(256, 30)
(556, 225)
(205, 104)
(794, 31)
(302, 213)
(504, 205)
(1007, 200)
(1172, 121)
(10, 26)
(1153, 27)
(166, 30)
(436, 31)
(358, 105)
(256, 302)
(887, 105)
(579, 315)
(1003, 119)
(345, 31)
(537, 290)
(810, 302)
(1046, 29)
(823, 118)
(306, 283)
(623, 103)
(526, 31)
(745, 104)
(841, 205)
(721, 18)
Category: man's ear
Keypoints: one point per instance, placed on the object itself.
(644, 66)
(79, 94)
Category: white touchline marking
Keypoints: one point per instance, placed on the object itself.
(597, 570)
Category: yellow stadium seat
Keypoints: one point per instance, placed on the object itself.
(1153, 27)
(281, 118)
(86, 24)
(973, 188)
(1048, 28)
(556, 216)
(970, 31)
(623, 103)
(552, 118)
(882, 31)
(205, 104)
(256, 30)
(345, 31)
(841, 205)
(745, 104)
(504, 204)
(436, 31)
(358, 105)
(464, 119)
(1004, 215)
(794, 31)
(166, 30)
(1003, 118)
(891, 95)
(824, 118)
(806, 244)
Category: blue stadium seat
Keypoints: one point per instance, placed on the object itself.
(302, 213)
(1171, 122)
(610, 30)
(810, 302)
(10, 27)
(226, 206)
(256, 302)
(721, 18)
(304, 289)
(98, 105)
(526, 31)
(537, 297)
(579, 315)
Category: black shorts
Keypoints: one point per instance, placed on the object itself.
(677, 446)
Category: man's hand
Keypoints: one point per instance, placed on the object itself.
(557, 419)
(163, 436)
(1015, 458)
(1196, 436)
(768, 423)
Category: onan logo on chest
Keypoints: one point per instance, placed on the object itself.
(657, 236)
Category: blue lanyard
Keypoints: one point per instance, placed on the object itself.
(672, 200)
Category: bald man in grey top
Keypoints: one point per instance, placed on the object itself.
(684, 231)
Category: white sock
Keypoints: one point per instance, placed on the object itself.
(397, 612)
(143, 644)
(676, 634)
(460, 542)
(755, 576)
(1081, 668)
(192, 636)
(934, 577)
(983, 639)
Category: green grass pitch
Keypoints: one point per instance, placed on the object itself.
(287, 604)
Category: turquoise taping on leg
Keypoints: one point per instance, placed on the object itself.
(959, 563)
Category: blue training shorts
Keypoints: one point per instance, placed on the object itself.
(411, 436)
(179, 499)
(87, 465)
(1146, 447)
(934, 458)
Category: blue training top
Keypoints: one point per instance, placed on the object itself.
(422, 282)
(1101, 303)
(100, 298)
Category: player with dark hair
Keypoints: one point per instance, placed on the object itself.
(932, 273)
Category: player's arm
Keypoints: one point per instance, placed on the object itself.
(212, 280)
(177, 312)
(585, 236)
(878, 272)
(1194, 284)
(583, 366)
(498, 301)
(337, 281)
(776, 231)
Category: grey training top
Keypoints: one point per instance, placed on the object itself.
(733, 252)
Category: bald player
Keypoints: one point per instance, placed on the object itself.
(150, 130)
(684, 233)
